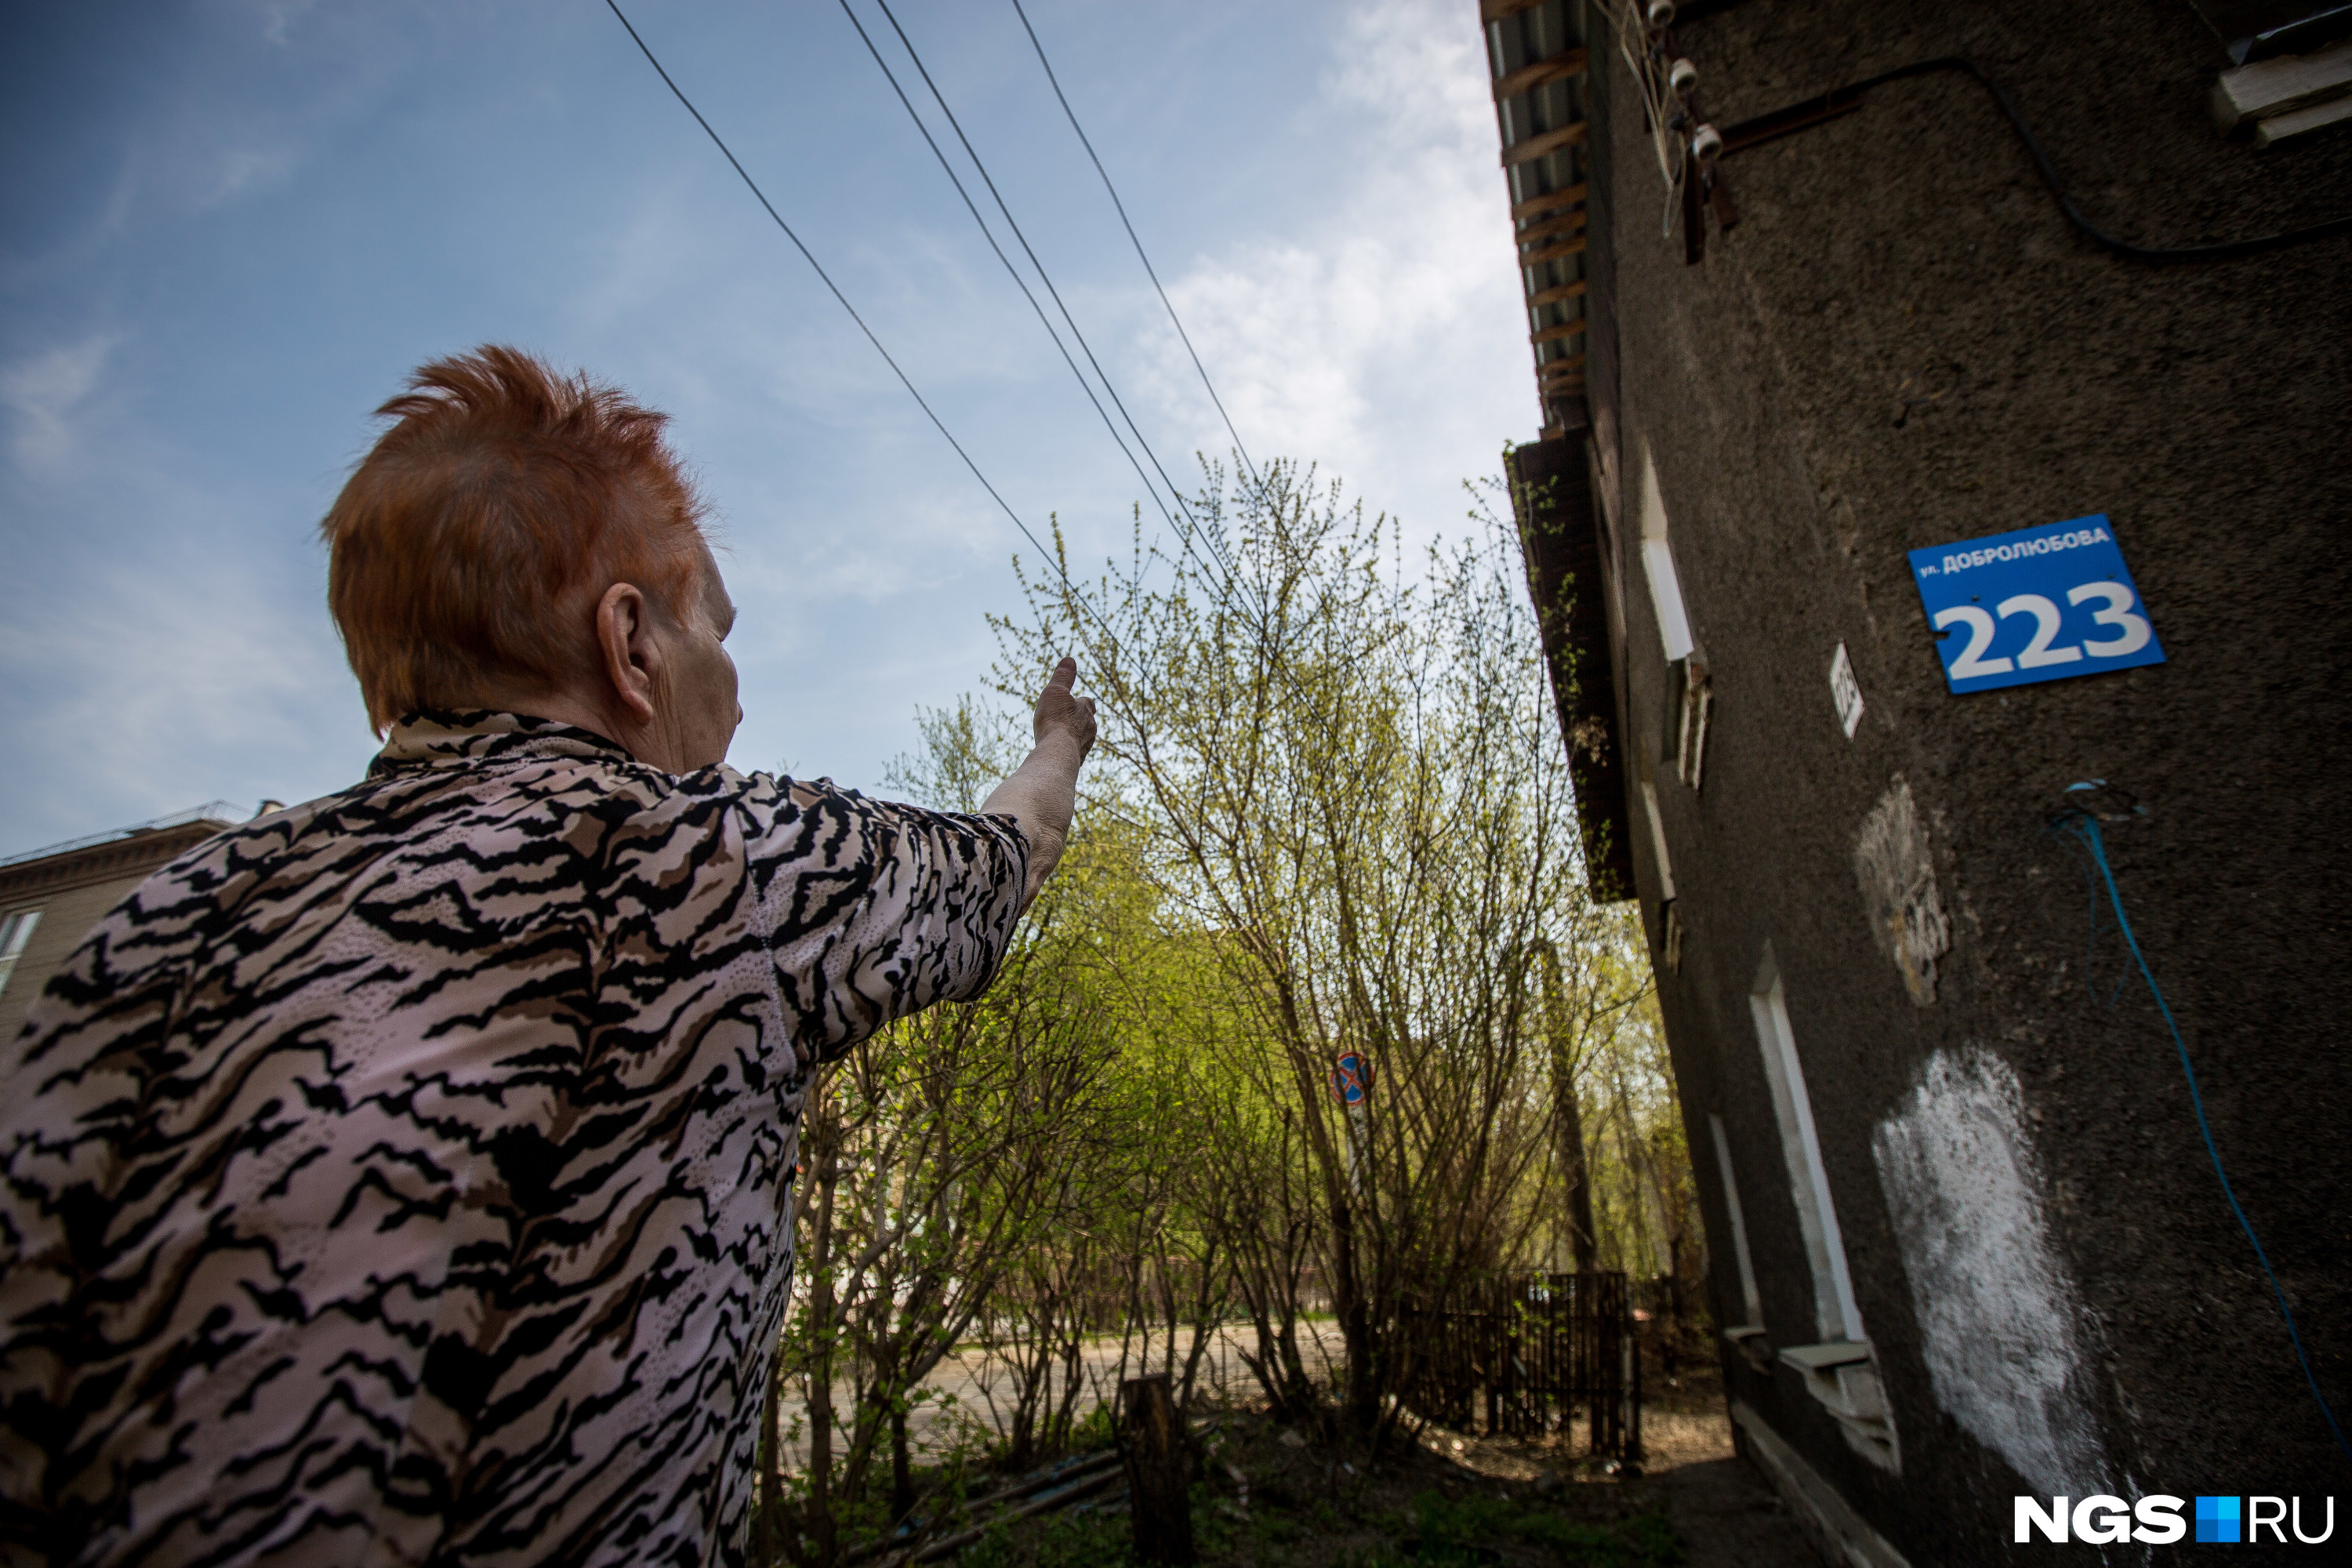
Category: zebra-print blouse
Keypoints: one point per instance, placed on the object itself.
(404, 1178)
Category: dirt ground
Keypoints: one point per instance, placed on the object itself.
(971, 1393)
(1276, 1496)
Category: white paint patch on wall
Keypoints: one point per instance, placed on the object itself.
(1898, 889)
(1996, 1309)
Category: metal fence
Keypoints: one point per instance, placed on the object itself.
(1527, 1353)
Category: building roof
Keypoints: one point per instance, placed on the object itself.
(1537, 57)
(116, 851)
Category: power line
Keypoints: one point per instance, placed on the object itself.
(1043, 275)
(826, 278)
(1077, 596)
(1224, 575)
(1190, 526)
(986, 233)
(1132, 239)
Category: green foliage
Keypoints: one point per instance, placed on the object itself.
(1087, 1540)
(1330, 811)
(994, 1549)
(1450, 1531)
(1091, 1433)
(1354, 810)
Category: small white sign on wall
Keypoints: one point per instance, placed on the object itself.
(1845, 692)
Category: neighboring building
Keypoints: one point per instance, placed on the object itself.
(1967, 1241)
(49, 898)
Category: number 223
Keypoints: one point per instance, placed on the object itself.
(2131, 633)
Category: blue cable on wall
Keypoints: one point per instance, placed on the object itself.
(2084, 828)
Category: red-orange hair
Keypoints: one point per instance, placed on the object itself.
(472, 542)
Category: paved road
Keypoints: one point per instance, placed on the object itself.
(978, 1389)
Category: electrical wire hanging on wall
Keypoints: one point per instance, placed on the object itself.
(1639, 42)
(1822, 107)
(2081, 829)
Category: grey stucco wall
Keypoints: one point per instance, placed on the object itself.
(1904, 344)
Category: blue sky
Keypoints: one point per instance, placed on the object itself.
(230, 228)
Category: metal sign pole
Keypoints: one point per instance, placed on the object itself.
(1351, 1086)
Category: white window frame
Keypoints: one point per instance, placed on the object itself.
(1751, 1298)
(1658, 843)
(16, 932)
(1842, 1371)
(1658, 563)
(1836, 1315)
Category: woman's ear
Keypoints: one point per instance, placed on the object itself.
(624, 638)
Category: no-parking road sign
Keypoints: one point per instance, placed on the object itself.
(1351, 1077)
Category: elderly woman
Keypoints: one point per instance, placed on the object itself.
(404, 1177)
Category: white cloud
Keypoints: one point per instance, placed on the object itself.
(646, 255)
(1345, 271)
(44, 391)
(194, 166)
(1380, 340)
(206, 662)
(229, 173)
(278, 18)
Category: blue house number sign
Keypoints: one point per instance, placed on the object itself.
(2041, 604)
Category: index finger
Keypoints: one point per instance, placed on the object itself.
(1065, 674)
